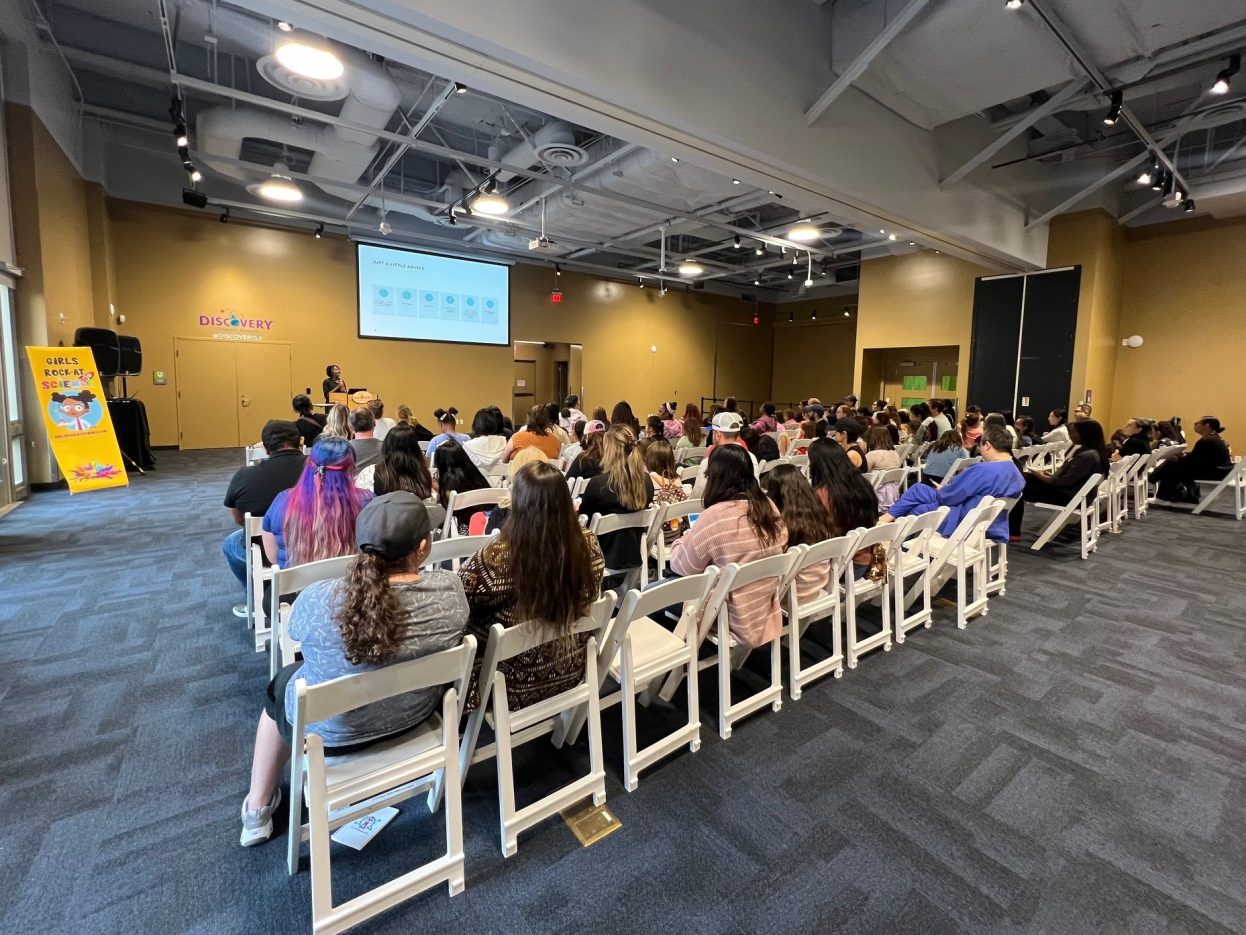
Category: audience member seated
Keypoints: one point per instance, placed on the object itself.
(946, 452)
(727, 427)
(938, 412)
(672, 427)
(402, 467)
(845, 493)
(653, 429)
(881, 455)
(315, 518)
(570, 413)
(693, 435)
(1027, 435)
(542, 566)
(447, 428)
(1166, 434)
(919, 416)
(971, 430)
(805, 430)
(763, 446)
(385, 611)
(490, 521)
(537, 433)
(1058, 420)
(738, 523)
(588, 462)
(623, 486)
(1209, 459)
(253, 489)
(623, 415)
(847, 434)
(552, 412)
(1081, 412)
(806, 520)
(766, 422)
(730, 404)
(376, 406)
(996, 475)
(487, 443)
(570, 452)
(365, 444)
(667, 487)
(1060, 487)
(789, 419)
(1004, 421)
(407, 417)
(310, 423)
(456, 473)
(337, 423)
(1137, 440)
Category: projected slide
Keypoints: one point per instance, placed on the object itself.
(425, 297)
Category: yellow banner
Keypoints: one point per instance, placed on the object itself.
(76, 414)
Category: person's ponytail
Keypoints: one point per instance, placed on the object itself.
(369, 614)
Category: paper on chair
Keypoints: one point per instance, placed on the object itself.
(361, 831)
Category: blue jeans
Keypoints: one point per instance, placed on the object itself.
(235, 549)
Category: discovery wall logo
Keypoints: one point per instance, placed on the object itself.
(236, 328)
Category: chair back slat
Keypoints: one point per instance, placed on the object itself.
(456, 550)
(294, 579)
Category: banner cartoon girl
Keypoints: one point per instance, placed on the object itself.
(74, 411)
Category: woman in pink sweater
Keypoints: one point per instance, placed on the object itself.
(738, 523)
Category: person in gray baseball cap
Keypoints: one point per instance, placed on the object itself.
(387, 609)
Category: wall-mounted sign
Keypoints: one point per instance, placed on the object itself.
(230, 326)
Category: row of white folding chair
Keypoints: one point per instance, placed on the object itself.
(341, 789)
(685, 454)
(1083, 506)
(1111, 499)
(966, 553)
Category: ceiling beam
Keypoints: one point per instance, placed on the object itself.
(1048, 107)
(863, 60)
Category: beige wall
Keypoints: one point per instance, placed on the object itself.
(918, 300)
(1183, 289)
(171, 266)
(814, 358)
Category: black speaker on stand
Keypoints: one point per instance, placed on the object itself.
(105, 345)
(130, 360)
(129, 415)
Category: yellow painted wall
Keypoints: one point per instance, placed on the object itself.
(1183, 289)
(171, 266)
(814, 358)
(918, 300)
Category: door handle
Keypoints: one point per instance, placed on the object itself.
(245, 401)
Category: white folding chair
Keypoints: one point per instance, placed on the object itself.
(293, 580)
(1158, 457)
(874, 478)
(1111, 495)
(1136, 484)
(424, 446)
(1083, 504)
(957, 466)
(637, 652)
(252, 536)
(713, 626)
(656, 547)
(514, 728)
(964, 554)
(765, 467)
(601, 525)
(254, 454)
(997, 556)
(912, 557)
(576, 486)
(498, 475)
(828, 602)
(689, 473)
(1235, 480)
(457, 550)
(342, 789)
(858, 590)
(799, 446)
(489, 496)
(800, 461)
(690, 456)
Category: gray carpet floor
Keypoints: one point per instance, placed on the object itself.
(1073, 762)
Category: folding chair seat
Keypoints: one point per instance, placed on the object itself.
(637, 652)
(342, 789)
(602, 525)
(1083, 504)
(287, 581)
(1235, 481)
(489, 496)
(859, 590)
(690, 456)
(515, 728)
(912, 557)
(826, 603)
(457, 550)
(656, 547)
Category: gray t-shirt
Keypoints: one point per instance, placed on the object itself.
(367, 451)
(434, 615)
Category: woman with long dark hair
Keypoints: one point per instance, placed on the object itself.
(457, 474)
(315, 518)
(385, 611)
(806, 520)
(1060, 487)
(846, 494)
(920, 416)
(623, 415)
(588, 462)
(543, 566)
(693, 434)
(738, 523)
(1209, 459)
(1058, 419)
(402, 467)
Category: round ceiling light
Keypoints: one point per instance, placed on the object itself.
(691, 268)
(309, 60)
(803, 233)
(279, 187)
(490, 203)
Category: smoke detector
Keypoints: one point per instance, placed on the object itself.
(315, 89)
(561, 154)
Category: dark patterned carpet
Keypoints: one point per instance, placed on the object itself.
(1074, 762)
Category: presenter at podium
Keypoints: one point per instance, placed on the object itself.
(333, 382)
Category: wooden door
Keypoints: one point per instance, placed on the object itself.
(207, 394)
(263, 387)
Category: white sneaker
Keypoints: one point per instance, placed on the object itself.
(240, 610)
(257, 825)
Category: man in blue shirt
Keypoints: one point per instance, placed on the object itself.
(996, 475)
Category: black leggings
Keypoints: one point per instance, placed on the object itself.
(1036, 491)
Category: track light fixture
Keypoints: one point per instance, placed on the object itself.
(736, 243)
(756, 282)
(384, 227)
(319, 232)
(460, 88)
(224, 215)
(789, 276)
(674, 159)
(1114, 112)
(1157, 181)
(1148, 174)
(284, 26)
(791, 317)
(814, 316)
(557, 270)
(1189, 206)
(183, 139)
(196, 175)
(759, 251)
(735, 181)
(1221, 85)
(1014, 4)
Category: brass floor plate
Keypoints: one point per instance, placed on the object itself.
(590, 823)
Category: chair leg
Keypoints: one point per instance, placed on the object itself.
(454, 801)
(294, 830)
(694, 699)
(318, 820)
(961, 619)
(776, 671)
(793, 655)
(627, 685)
(506, 773)
(724, 676)
(596, 761)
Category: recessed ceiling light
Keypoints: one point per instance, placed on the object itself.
(310, 61)
(691, 268)
(803, 233)
(284, 26)
(769, 192)
(756, 282)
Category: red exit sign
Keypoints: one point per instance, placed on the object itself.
(556, 296)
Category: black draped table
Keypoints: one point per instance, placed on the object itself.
(129, 418)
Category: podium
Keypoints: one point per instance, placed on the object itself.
(352, 401)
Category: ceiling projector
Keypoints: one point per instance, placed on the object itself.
(543, 245)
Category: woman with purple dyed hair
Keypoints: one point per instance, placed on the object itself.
(315, 518)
